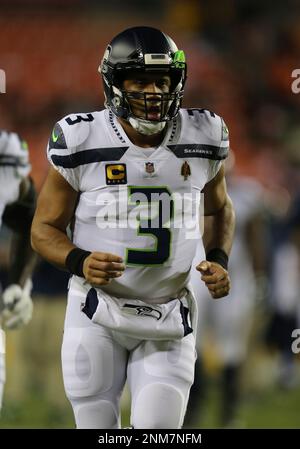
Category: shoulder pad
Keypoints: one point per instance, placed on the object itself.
(207, 121)
(71, 131)
(209, 135)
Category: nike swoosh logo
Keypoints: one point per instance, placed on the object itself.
(54, 137)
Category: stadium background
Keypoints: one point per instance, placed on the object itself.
(241, 55)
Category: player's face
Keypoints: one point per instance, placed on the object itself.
(152, 105)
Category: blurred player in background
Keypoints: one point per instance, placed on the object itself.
(17, 203)
(130, 313)
(284, 305)
(228, 322)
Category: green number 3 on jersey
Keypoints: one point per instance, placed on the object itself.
(157, 227)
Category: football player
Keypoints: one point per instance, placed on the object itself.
(17, 203)
(117, 177)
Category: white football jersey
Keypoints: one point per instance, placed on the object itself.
(14, 166)
(139, 203)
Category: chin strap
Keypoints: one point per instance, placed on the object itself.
(146, 127)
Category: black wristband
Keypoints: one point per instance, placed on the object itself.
(219, 256)
(75, 259)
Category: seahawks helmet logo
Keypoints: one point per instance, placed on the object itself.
(142, 311)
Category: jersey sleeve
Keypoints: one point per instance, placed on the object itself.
(63, 151)
(213, 169)
(221, 135)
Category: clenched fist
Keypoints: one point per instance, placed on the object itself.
(216, 278)
(101, 268)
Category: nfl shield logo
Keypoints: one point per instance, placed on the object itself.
(149, 167)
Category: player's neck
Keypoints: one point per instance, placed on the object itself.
(141, 140)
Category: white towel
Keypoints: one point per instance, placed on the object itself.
(137, 319)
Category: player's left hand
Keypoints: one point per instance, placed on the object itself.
(18, 306)
(216, 278)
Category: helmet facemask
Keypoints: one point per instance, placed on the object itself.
(148, 112)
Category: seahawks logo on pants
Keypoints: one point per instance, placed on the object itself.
(142, 311)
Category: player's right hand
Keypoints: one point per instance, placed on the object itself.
(100, 268)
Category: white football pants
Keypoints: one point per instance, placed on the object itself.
(96, 363)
